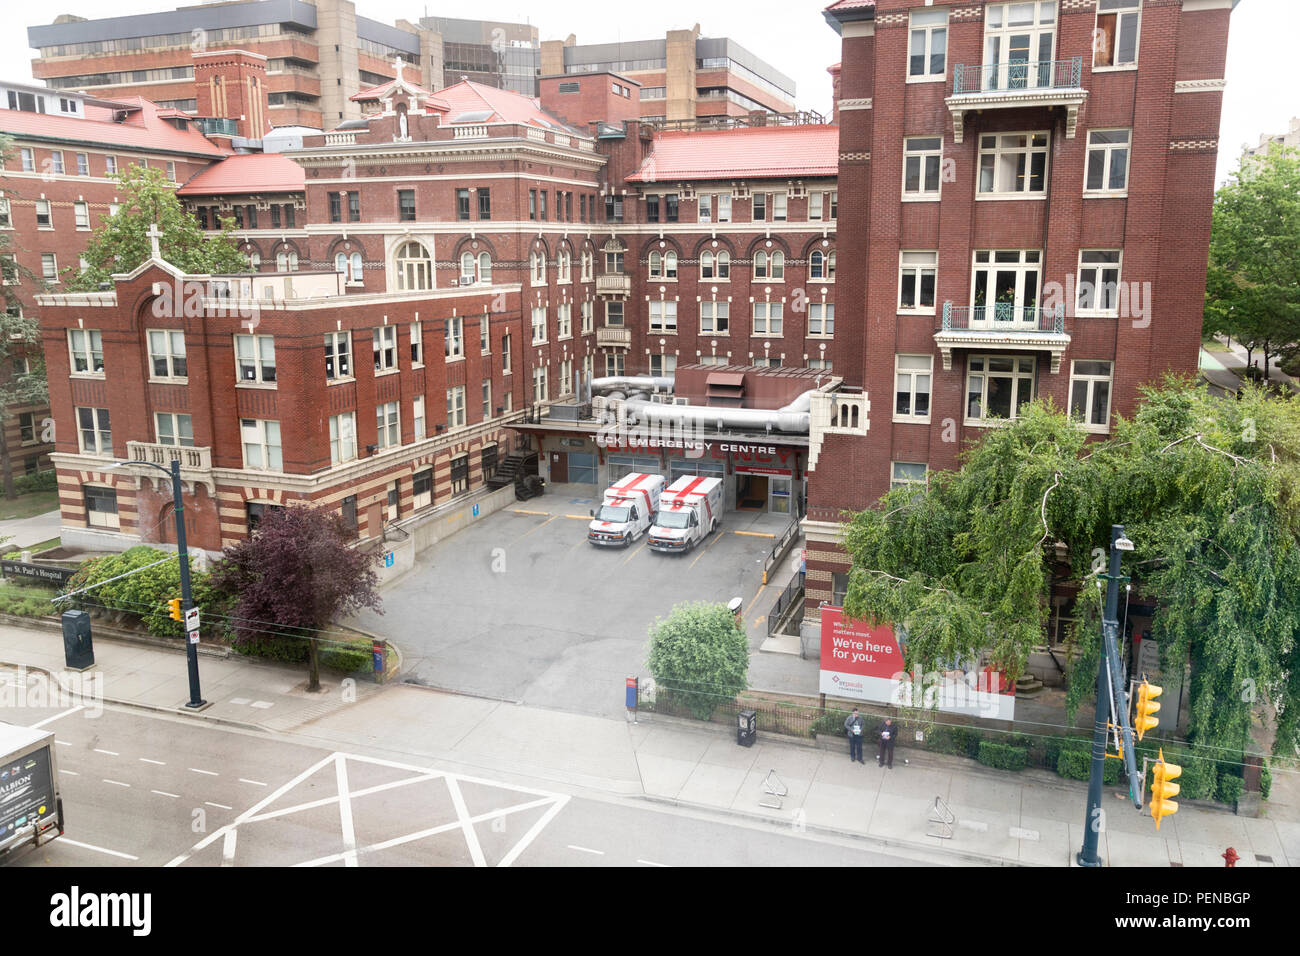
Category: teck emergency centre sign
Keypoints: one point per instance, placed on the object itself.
(862, 662)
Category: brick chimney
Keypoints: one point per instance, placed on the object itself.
(231, 84)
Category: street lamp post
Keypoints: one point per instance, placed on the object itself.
(187, 598)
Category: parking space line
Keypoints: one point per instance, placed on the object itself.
(755, 534)
(755, 601)
(716, 539)
(579, 517)
(531, 530)
(525, 511)
(583, 849)
(644, 544)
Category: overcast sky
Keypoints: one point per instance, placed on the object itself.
(1263, 91)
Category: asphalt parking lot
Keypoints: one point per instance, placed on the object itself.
(519, 606)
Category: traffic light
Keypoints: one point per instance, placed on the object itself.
(1147, 708)
(1161, 789)
(176, 613)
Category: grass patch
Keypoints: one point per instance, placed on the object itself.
(28, 506)
(1214, 345)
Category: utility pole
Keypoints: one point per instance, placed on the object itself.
(187, 598)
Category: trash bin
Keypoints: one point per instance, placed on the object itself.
(78, 652)
(746, 728)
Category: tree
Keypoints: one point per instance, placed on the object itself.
(699, 656)
(1209, 491)
(1252, 290)
(19, 338)
(121, 242)
(294, 576)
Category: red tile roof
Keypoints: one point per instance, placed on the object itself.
(749, 152)
(143, 130)
(505, 106)
(383, 89)
(851, 4)
(247, 173)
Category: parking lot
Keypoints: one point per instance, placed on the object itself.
(519, 606)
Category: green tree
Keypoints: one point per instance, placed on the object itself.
(1252, 290)
(699, 656)
(1209, 491)
(19, 338)
(121, 242)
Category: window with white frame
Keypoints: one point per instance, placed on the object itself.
(87, 349)
(715, 317)
(540, 388)
(422, 488)
(484, 335)
(564, 320)
(566, 376)
(713, 360)
(338, 357)
(821, 319)
(286, 260)
(349, 265)
(816, 205)
(505, 354)
(663, 266)
(110, 165)
(487, 398)
(997, 387)
(388, 424)
(94, 431)
(705, 204)
(167, 354)
(1019, 45)
(43, 214)
(6, 219)
(663, 364)
(417, 416)
(261, 440)
(614, 314)
(613, 262)
(454, 337)
(81, 215)
(383, 345)
(820, 364)
(1107, 161)
(767, 318)
(459, 476)
(414, 267)
(417, 344)
(765, 361)
(49, 267)
(539, 324)
(588, 311)
(821, 266)
(101, 507)
(663, 315)
(589, 365)
(9, 269)
(917, 273)
(456, 406)
(769, 266)
(912, 387)
(1115, 40)
(343, 437)
(927, 45)
(56, 161)
(1013, 164)
(614, 363)
(585, 265)
(564, 266)
(715, 266)
(779, 202)
(922, 162)
(537, 267)
(83, 164)
(1006, 287)
(907, 474)
(29, 160)
(1099, 281)
(1090, 394)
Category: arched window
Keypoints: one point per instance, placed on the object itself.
(716, 266)
(586, 265)
(821, 265)
(350, 266)
(537, 267)
(760, 265)
(466, 268)
(484, 267)
(656, 265)
(286, 260)
(565, 265)
(769, 265)
(414, 268)
(254, 258)
(670, 265)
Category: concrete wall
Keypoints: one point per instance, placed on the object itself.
(428, 529)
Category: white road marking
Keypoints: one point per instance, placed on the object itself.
(583, 849)
(160, 763)
(462, 814)
(164, 793)
(262, 704)
(97, 849)
(62, 743)
(116, 783)
(256, 783)
(651, 863)
(111, 753)
(70, 773)
(219, 806)
(537, 828)
(349, 832)
(210, 773)
(228, 848)
(50, 720)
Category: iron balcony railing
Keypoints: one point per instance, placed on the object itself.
(1003, 317)
(1017, 75)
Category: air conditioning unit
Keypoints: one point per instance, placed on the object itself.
(466, 280)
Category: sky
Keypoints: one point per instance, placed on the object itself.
(1261, 96)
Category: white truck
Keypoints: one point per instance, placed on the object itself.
(627, 511)
(31, 809)
(688, 511)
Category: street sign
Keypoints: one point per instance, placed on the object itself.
(389, 559)
(192, 619)
(475, 511)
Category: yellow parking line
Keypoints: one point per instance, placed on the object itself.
(579, 517)
(644, 544)
(755, 601)
(522, 511)
(755, 534)
(531, 530)
(716, 539)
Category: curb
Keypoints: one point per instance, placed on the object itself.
(109, 633)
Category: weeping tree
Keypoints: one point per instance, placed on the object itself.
(1209, 491)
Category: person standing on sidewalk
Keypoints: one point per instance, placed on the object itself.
(887, 733)
(854, 726)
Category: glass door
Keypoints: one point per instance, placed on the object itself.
(1019, 42)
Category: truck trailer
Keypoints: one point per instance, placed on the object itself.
(31, 809)
(688, 511)
(627, 511)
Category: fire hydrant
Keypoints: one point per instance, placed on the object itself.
(1230, 858)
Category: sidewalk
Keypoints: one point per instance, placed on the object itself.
(1031, 818)
(29, 531)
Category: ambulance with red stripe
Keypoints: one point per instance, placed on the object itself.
(628, 510)
(690, 509)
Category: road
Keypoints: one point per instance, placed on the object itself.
(155, 790)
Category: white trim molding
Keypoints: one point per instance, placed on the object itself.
(1199, 86)
(859, 104)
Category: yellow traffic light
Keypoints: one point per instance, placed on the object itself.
(1147, 708)
(175, 605)
(1162, 790)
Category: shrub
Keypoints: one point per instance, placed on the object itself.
(1230, 787)
(1002, 756)
(143, 595)
(1053, 746)
(38, 481)
(830, 723)
(347, 659)
(1074, 764)
(1265, 780)
(699, 655)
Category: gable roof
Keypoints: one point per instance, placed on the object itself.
(499, 106)
(145, 130)
(748, 152)
(247, 173)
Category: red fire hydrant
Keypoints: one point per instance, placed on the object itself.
(1230, 858)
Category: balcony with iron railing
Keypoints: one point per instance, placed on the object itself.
(1004, 326)
(1014, 84)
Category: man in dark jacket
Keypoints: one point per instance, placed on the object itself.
(855, 727)
(887, 734)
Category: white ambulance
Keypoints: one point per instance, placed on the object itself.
(628, 510)
(690, 509)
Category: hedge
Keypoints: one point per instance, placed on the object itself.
(1002, 756)
(1230, 787)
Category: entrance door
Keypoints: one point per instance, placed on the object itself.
(559, 467)
(751, 492)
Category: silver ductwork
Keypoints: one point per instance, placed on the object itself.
(792, 418)
(629, 383)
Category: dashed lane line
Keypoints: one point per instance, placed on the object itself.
(210, 773)
(111, 753)
(116, 783)
(160, 763)
(219, 806)
(70, 773)
(164, 793)
(583, 849)
(256, 783)
(651, 863)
